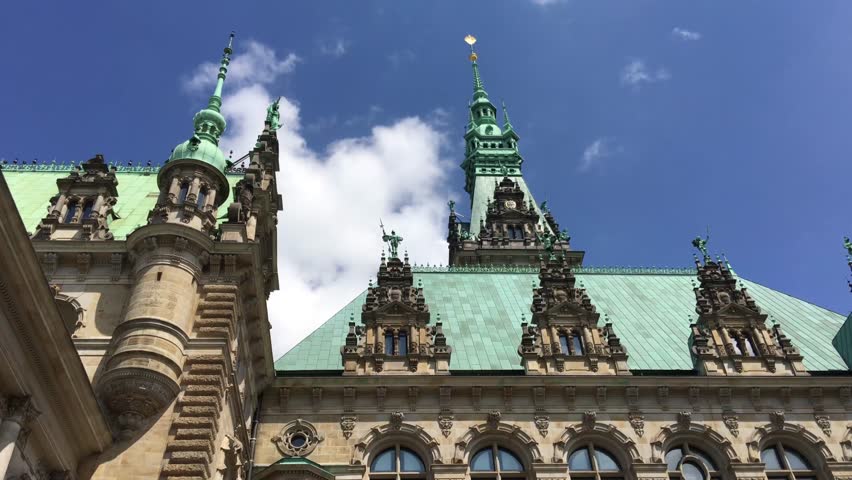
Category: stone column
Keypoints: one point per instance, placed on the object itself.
(18, 412)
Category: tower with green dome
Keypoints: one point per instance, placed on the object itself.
(507, 226)
(192, 182)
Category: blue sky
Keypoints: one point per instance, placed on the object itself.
(641, 122)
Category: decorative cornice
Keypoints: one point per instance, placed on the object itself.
(66, 167)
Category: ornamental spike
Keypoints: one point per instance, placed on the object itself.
(216, 99)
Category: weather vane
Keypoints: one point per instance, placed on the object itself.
(470, 40)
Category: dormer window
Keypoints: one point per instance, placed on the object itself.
(71, 212)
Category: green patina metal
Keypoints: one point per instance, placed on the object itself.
(650, 308)
(32, 186)
(489, 152)
(209, 124)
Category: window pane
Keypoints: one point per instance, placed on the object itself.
(770, 457)
(410, 462)
(385, 462)
(71, 212)
(708, 462)
(563, 341)
(403, 343)
(202, 197)
(579, 460)
(673, 457)
(87, 209)
(606, 462)
(577, 344)
(509, 462)
(388, 344)
(483, 461)
(184, 189)
(796, 460)
(691, 471)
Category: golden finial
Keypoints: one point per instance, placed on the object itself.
(470, 40)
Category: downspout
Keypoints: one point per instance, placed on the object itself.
(253, 438)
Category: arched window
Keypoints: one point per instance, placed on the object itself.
(495, 462)
(184, 189)
(71, 211)
(687, 462)
(743, 343)
(784, 463)
(202, 197)
(88, 205)
(397, 463)
(590, 462)
(388, 342)
(403, 344)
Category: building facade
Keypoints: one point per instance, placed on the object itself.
(516, 361)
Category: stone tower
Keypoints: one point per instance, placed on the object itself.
(170, 320)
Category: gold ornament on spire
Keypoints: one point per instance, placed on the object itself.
(470, 40)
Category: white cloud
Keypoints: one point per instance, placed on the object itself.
(636, 73)
(328, 234)
(252, 63)
(598, 150)
(336, 48)
(399, 57)
(685, 34)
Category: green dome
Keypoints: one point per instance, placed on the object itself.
(201, 150)
(209, 121)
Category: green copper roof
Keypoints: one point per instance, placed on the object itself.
(209, 124)
(137, 194)
(843, 340)
(650, 311)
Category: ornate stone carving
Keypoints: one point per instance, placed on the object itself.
(396, 334)
(824, 424)
(396, 419)
(776, 418)
(637, 421)
(298, 438)
(494, 417)
(347, 425)
(730, 335)
(589, 418)
(542, 423)
(564, 336)
(445, 423)
(684, 419)
(732, 423)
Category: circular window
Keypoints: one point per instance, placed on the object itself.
(297, 439)
(687, 462)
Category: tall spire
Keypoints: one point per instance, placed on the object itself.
(209, 123)
(216, 99)
(507, 125)
(478, 89)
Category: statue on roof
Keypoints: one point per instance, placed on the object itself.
(273, 117)
(563, 236)
(452, 205)
(847, 244)
(543, 207)
(547, 241)
(393, 240)
(701, 243)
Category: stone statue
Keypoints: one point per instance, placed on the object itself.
(848, 245)
(273, 116)
(393, 240)
(452, 206)
(563, 236)
(547, 241)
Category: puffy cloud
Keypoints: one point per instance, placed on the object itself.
(328, 234)
(254, 63)
(685, 34)
(598, 150)
(636, 73)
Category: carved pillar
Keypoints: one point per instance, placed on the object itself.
(19, 412)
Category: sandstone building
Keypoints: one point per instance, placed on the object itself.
(135, 340)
